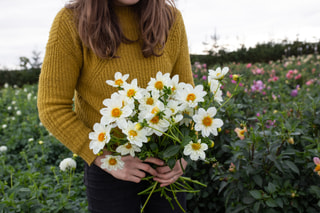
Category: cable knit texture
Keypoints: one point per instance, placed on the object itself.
(73, 85)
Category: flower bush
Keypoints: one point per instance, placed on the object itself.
(267, 158)
(266, 153)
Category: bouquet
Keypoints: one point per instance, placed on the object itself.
(168, 119)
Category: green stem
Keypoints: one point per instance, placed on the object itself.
(224, 103)
(176, 199)
(145, 203)
(170, 136)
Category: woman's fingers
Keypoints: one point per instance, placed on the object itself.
(155, 161)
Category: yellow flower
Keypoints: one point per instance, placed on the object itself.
(40, 142)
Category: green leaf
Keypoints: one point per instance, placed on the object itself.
(292, 166)
(271, 203)
(256, 206)
(271, 188)
(258, 180)
(222, 186)
(154, 146)
(171, 163)
(279, 202)
(171, 151)
(256, 194)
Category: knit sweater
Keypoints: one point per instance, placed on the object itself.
(72, 84)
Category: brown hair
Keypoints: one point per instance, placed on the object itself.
(98, 26)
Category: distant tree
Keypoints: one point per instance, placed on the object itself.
(35, 63)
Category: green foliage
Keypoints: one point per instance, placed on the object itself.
(271, 169)
(30, 178)
(261, 53)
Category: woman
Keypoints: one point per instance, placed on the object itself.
(89, 41)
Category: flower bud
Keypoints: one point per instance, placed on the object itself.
(212, 144)
(291, 141)
(235, 77)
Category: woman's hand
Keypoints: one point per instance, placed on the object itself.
(166, 176)
(134, 169)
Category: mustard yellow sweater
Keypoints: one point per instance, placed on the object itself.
(72, 73)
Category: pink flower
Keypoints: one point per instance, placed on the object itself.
(233, 81)
(297, 77)
(249, 65)
(232, 168)
(258, 114)
(204, 77)
(240, 132)
(309, 82)
(195, 76)
(241, 84)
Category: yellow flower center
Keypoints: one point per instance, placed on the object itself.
(207, 121)
(118, 82)
(196, 146)
(191, 97)
(241, 132)
(116, 112)
(150, 101)
(131, 93)
(112, 161)
(101, 136)
(317, 169)
(155, 119)
(133, 133)
(129, 146)
(158, 85)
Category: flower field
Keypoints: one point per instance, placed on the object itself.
(266, 151)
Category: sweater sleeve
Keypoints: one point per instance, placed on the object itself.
(58, 79)
(182, 65)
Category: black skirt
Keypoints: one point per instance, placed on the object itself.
(107, 194)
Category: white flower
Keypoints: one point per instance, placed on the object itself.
(29, 96)
(9, 108)
(6, 85)
(18, 112)
(13, 102)
(67, 163)
(148, 100)
(135, 134)
(128, 148)
(187, 116)
(119, 80)
(115, 111)
(195, 150)
(112, 162)
(206, 123)
(3, 149)
(191, 96)
(218, 74)
(131, 91)
(215, 89)
(30, 140)
(155, 119)
(100, 137)
(158, 83)
(4, 126)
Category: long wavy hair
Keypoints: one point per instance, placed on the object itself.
(99, 29)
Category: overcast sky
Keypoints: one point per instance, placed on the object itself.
(24, 25)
